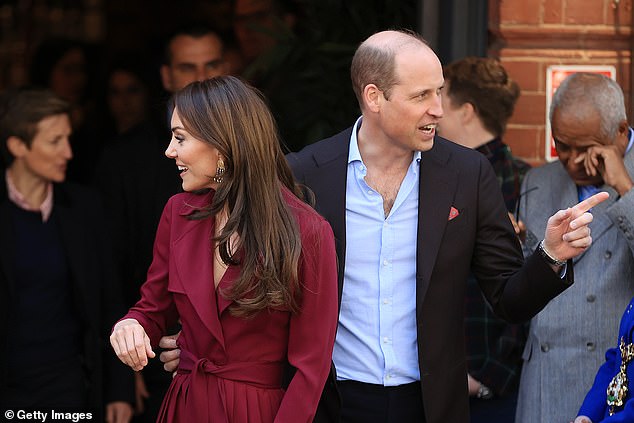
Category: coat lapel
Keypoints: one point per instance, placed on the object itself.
(437, 187)
(193, 263)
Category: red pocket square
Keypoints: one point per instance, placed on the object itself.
(453, 213)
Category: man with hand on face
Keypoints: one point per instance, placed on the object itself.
(567, 339)
(412, 215)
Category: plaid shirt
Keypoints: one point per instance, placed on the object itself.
(494, 347)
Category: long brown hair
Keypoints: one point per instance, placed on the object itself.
(233, 117)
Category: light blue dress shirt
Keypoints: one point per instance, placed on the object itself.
(376, 338)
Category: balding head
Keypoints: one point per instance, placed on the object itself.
(374, 61)
(583, 94)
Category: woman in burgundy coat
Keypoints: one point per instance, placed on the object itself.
(247, 267)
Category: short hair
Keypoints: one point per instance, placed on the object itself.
(376, 65)
(484, 83)
(21, 110)
(601, 94)
(196, 30)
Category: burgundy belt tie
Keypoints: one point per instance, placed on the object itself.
(257, 373)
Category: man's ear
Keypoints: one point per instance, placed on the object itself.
(16, 146)
(468, 112)
(623, 136)
(372, 97)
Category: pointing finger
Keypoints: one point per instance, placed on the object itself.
(590, 202)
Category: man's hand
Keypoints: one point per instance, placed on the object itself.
(131, 344)
(607, 160)
(567, 232)
(582, 419)
(171, 356)
(474, 385)
(519, 227)
(118, 412)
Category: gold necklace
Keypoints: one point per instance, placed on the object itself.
(617, 389)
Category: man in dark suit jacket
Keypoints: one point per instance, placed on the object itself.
(412, 214)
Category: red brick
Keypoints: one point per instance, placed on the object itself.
(530, 109)
(584, 13)
(520, 11)
(553, 11)
(523, 141)
(621, 14)
(526, 74)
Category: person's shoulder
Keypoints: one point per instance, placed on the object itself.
(304, 213)
(189, 201)
(75, 193)
(451, 152)
(325, 146)
(546, 170)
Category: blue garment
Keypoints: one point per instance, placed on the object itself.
(376, 339)
(595, 406)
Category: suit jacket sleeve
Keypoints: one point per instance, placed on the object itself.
(515, 295)
(312, 329)
(156, 311)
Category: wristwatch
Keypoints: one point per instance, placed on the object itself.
(549, 259)
(484, 392)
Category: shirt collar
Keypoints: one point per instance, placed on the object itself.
(355, 155)
(46, 208)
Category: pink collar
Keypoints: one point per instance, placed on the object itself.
(46, 208)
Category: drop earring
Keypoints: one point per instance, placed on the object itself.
(220, 171)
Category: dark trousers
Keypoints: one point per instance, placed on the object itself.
(369, 403)
(494, 410)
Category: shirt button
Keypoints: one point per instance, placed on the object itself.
(545, 347)
(370, 191)
(385, 339)
(385, 262)
(607, 254)
(590, 298)
(386, 301)
(590, 346)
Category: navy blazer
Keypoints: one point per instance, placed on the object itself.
(481, 238)
(96, 300)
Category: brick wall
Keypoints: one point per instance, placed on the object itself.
(530, 35)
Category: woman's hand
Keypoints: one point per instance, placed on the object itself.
(131, 344)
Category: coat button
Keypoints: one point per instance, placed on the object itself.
(545, 347)
(591, 346)
(590, 298)
(607, 255)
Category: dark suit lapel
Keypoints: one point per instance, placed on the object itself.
(436, 192)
